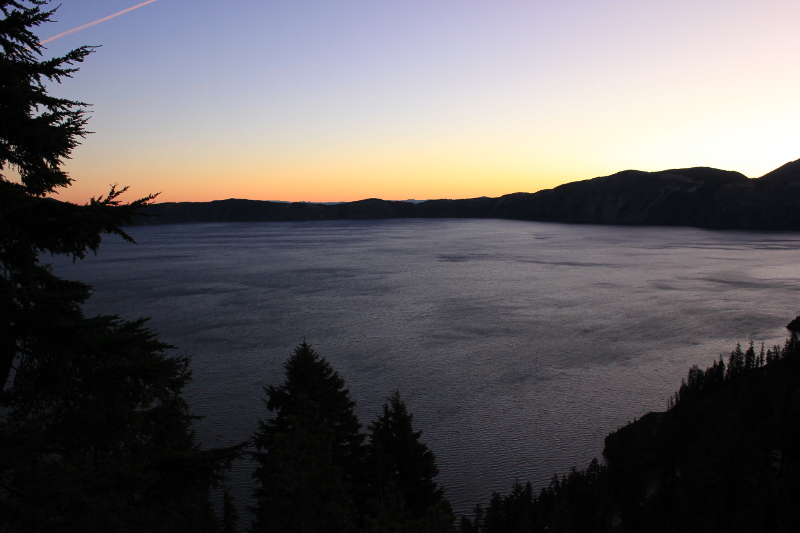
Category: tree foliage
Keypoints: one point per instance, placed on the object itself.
(401, 472)
(310, 378)
(571, 503)
(37, 134)
(724, 457)
(94, 432)
(309, 452)
(98, 437)
(314, 472)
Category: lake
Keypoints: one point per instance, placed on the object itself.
(517, 346)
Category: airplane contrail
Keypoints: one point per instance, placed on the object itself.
(89, 25)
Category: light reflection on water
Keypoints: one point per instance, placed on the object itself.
(518, 346)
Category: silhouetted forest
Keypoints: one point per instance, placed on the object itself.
(317, 471)
(95, 435)
(700, 197)
(94, 432)
(725, 456)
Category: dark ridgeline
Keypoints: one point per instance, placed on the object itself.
(700, 197)
(725, 456)
(235, 210)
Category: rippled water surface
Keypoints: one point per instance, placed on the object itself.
(518, 346)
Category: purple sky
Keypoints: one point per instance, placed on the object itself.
(326, 101)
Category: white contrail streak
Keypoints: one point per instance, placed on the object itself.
(79, 28)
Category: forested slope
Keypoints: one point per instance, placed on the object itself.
(725, 456)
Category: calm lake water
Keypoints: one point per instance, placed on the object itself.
(518, 346)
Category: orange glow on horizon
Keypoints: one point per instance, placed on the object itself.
(336, 105)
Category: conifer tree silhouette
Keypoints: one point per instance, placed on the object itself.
(94, 432)
(309, 454)
(401, 474)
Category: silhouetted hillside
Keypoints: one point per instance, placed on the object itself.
(725, 457)
(786, 173)
(235, 210)
(700, 197)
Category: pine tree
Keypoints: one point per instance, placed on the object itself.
(98, 437)
(402, 469)
(750, 357)
(735, 362)
(94, 432)
(37, 133)
(309, 453)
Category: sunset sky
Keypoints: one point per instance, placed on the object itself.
(337, 100)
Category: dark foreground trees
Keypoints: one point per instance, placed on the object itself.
(98, 437)
(94, 433)
(309, 452)
(724, 457)
(316, 473)
(37, 133)
(400, 476)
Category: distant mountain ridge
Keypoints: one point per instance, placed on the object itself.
(700, 197)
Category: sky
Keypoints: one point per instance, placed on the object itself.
(340, 100)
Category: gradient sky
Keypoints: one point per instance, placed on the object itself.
(337, 100)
